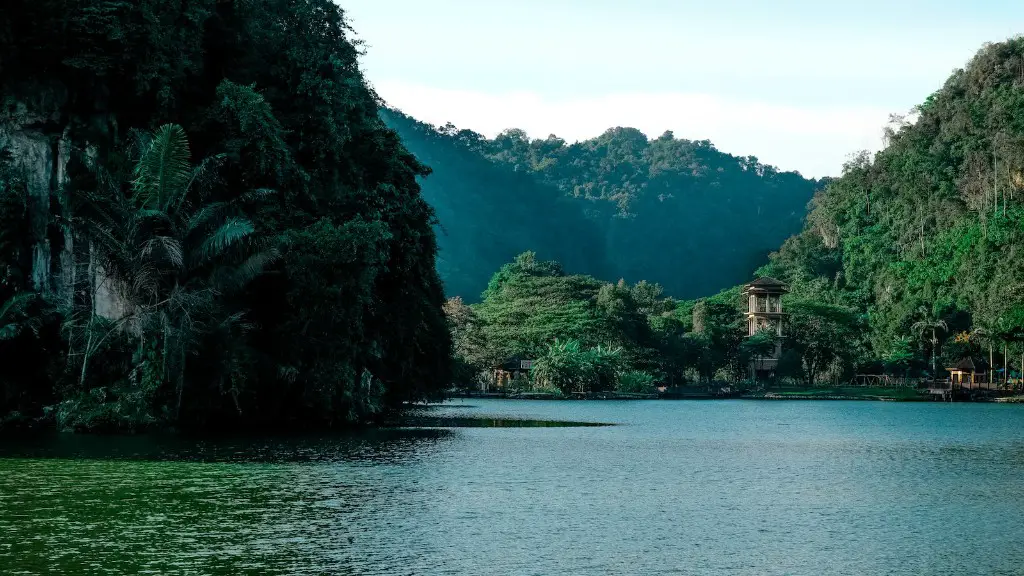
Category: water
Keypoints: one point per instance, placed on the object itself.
(724, 487)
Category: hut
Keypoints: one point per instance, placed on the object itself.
(508, 371)
(968, 374)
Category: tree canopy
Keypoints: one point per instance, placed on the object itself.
(926, 232)
(677, 212)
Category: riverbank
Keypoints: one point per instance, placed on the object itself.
(842, 393)
(1011, 400)
(702, 393)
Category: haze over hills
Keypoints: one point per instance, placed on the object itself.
(673, 211)
(488, 213)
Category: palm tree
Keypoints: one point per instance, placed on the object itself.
(985, 335)
(163, 253)
(929, 322)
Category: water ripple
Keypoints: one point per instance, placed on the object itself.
(678, 488)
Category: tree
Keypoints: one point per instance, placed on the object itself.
(982, 334)
(468, 344)
(672, 349)
(348, 325)
(930, 325)
(565, 366)
(821, 334)
(900, 355)
(931, 234)
(618, 205)
(604, 364)
(573, 369)
(162, 257)
(760, 345)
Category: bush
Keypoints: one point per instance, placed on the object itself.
(635, 382)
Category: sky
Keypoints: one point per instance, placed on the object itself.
(800, 84)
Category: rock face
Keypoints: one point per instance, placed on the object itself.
(35, 130)
(34, 133)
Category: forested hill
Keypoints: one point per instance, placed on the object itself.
(204, 222)
(673, 211)
(930, 231)
(488, 213)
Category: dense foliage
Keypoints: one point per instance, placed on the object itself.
(204, 222)
(922, 239)
(675, 211)
(488, 213)
(906, 263)
(574, 323)
(586, 335)
(679, 212)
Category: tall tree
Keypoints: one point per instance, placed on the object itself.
(930, 325)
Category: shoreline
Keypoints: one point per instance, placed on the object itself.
(901, 396)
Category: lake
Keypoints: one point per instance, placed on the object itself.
(686, 487)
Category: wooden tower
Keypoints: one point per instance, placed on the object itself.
(764, 312)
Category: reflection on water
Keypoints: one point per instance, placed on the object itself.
(680, 488)
(424, 421)
(407, 438)
(387, 445)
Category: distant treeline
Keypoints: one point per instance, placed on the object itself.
(673, 211)
(587, 335)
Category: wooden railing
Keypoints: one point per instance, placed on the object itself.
(884, 381)
(767, 308)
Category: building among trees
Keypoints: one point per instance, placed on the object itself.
(765, 319)
(509, 371)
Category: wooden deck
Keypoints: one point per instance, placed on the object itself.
(944, 390)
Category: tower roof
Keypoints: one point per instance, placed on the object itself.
(767, 284)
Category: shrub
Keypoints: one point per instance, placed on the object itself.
(635, 382)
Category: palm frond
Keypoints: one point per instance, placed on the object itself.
(288, 373)
(233, 230)
(163, 172)
(138, 142)
(168, 247)
(17, 304)
(150, 214)
(140, 288)
(203, 176)
(256, 195)
(12, 311)
(251, 268)
(205, 214)
(235, 323)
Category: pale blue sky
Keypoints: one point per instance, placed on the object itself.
(800, 84)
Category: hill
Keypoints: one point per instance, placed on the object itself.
(204, 222)
(488, 213)
(928, 232)
(678, 212)
(674, 211)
